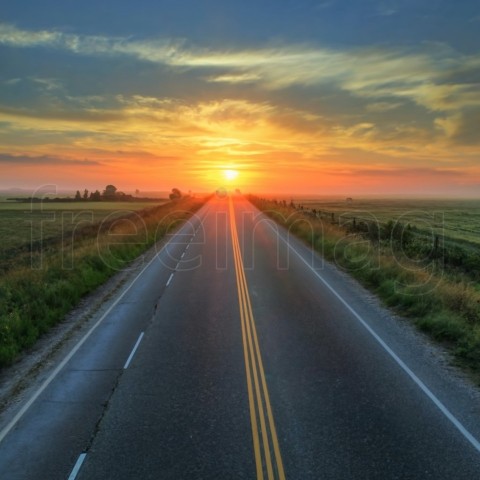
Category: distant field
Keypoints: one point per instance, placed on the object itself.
(22, 223)
(455, 219)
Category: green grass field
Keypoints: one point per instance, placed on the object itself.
(450, 218)
(22, 223)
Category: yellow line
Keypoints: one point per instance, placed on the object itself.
(248, 320)
(251, 401)
(254, 363)
(273, 430)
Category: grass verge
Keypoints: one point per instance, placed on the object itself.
(419, 285)
(47, 279)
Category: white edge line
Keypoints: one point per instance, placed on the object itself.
(169, 280)
(458, 425)
(56, 371)
(129, 359)
(77, 466)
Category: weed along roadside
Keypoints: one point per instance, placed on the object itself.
(422, 284)
(45, 282)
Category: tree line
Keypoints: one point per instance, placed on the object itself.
(110, 193)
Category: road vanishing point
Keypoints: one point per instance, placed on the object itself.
(238, 353)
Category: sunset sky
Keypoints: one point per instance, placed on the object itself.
(317, 97)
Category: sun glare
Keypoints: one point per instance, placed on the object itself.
(230, 174)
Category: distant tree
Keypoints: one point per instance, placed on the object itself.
(176, 194)
(85, 194)
(137, 192)
(78, 195)
(110, 191)
(96, 196)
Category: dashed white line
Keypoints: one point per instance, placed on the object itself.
(74, 350)
(77, 466)
(183, 254)
(169, 279)
(186, 248)
(132, 353)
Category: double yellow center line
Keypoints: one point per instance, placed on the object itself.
(263, 427)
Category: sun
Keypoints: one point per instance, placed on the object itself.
(230, 174)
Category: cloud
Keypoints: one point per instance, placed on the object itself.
(461, 128)
(10, 35)
(408, 172)
(235, 78)
(188, 120)
(381, 107)
(424, 75)
(44, 160)
(12, 81)
(372, 98)
(48, 84)
(61, 113)
(154, 50)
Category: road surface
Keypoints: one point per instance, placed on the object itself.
(238, 354)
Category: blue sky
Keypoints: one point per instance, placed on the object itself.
(332, 95)
(234, 23)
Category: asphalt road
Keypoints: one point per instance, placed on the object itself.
(237, 354)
